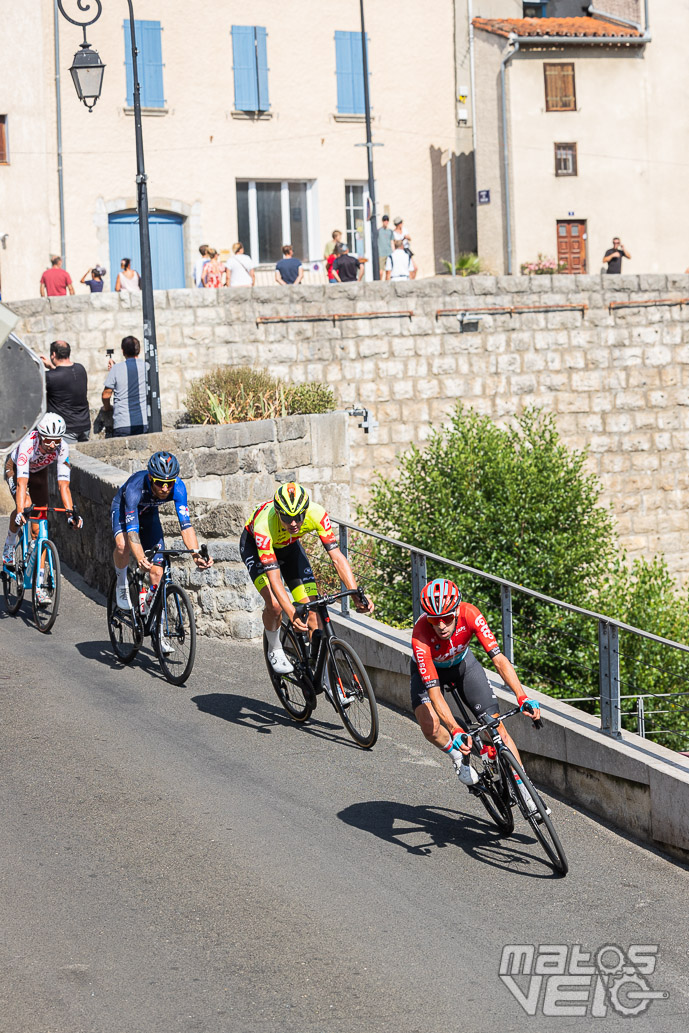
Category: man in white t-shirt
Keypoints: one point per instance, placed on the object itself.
(399, 265)
(241, 268)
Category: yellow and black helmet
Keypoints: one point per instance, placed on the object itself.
(291, 500)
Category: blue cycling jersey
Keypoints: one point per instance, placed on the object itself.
(134, 499)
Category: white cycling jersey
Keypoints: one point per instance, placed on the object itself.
(28, 458)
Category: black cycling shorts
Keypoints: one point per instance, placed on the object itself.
(471, 680)
(295, 567)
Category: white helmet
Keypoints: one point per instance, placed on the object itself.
(51, 426)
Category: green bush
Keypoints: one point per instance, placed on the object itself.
(237, 394)
(466, 264)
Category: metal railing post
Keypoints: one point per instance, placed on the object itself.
(344, 549)
(418, 580)
(640, 718)
(609, 678)
(506, 608)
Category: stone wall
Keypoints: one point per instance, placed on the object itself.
(617, 378)
(228, 471)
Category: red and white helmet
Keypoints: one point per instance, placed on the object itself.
(51, 426)
(440, 598)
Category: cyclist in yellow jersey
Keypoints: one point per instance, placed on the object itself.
(271, 551)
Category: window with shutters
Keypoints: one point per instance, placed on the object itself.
(560, 94)
(272, 213)
(149, 63)
(565, 159)
(4, 152)
(250, 66)
(349, 65)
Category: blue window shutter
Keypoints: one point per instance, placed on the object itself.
(128, 65)
(350, 73)
(149, 63)
(244, 57)
(262, 70)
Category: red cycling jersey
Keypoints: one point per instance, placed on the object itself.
(431, 652)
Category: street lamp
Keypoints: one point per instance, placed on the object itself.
(87, 73)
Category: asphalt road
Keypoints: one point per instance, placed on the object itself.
(175, 860)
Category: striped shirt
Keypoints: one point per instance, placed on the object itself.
(127, 380)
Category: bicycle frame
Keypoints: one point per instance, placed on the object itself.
(156, 606)
(320, 607)
(27, 538)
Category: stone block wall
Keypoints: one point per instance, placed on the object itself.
(245, 462)
(615, 375)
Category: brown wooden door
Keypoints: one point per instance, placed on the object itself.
(571, 246)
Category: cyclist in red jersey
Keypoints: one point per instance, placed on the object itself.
(440, 644)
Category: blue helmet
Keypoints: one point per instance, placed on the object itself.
(163, 466)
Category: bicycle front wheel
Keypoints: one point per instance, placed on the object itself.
(45, 595)
(14, 580)
(352, 692)
(536, 815)
(124, 626)
(175, 635)
(288, 687)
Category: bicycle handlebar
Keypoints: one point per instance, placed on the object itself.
(495, 721)
(30, 510)
(202, 551)
(327, 600)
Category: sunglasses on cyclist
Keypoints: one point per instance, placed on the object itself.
(161, 483)
(51, 441)
(298, 519)
(447, 619)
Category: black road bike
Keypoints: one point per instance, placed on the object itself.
(347, 689)
(498, 787)
(169, 620)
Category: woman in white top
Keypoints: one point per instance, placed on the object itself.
(241, 268)
(127, 278)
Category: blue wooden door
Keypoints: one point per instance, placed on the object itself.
(167, 246)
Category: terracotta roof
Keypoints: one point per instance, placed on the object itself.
(555, 27)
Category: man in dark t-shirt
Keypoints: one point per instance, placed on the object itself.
(613, 256)
(67, 391)
(347, 268)
(289, 269)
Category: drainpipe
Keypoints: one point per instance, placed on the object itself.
(594, 11)
(472, 77)
(58, 105)
(506, 57)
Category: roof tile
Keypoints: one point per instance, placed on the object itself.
(555, 27)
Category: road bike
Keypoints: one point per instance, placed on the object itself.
(346, 687)
(36, 567)
(168, 617)
(498, 787)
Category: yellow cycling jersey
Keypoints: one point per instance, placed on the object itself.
(270, 533)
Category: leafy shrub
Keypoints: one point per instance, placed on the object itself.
(542, 266)
(238, 394)
(466, 264)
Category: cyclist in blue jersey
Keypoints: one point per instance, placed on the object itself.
(136, 521)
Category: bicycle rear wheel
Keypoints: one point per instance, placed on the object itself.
(13, 586)
(352, 692)
(538, 819)
(175, 635)
(124, 626)
(289, 688)
(491, 790)
(46, 585)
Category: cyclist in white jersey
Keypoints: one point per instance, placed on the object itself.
(26, 474)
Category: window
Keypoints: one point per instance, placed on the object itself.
(559, 87)
(149, 62)
(537, 9)
(271, 214)
(249, 53)
(349, 61)
(565, 159)
(356, 195)
(4, 151)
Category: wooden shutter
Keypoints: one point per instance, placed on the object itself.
(263, 103)
(4, 159)
(149, 62)
(244, 58)
(350, 73)
(559, 87)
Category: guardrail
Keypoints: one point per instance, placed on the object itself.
(609, 695)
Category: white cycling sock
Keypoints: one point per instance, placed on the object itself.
(273, 639)
(121, 576)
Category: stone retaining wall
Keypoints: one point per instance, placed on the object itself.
(241, 464)
(617, 378)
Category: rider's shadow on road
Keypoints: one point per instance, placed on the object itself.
(424, 830)
(263, 717)
(102, 652)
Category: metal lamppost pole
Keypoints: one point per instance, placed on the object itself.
(87, 73)
(369, 151)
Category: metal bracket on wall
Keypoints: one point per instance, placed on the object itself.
(335, 317)
(647, 303)
(368, 423)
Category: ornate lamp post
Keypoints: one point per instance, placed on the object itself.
(87, 73)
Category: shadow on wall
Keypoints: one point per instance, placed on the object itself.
(464, 200)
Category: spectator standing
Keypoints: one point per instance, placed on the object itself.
(385, 239)
(289, 270)
(214, 271)
(95, 283)
(330, 253)
(399, 233)
(56, 281)
(125, 391)
(66, 385)
(613, 256)
(240, 268)
(399, 265)
(347, 268)
(199, 264)
(127, 279)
